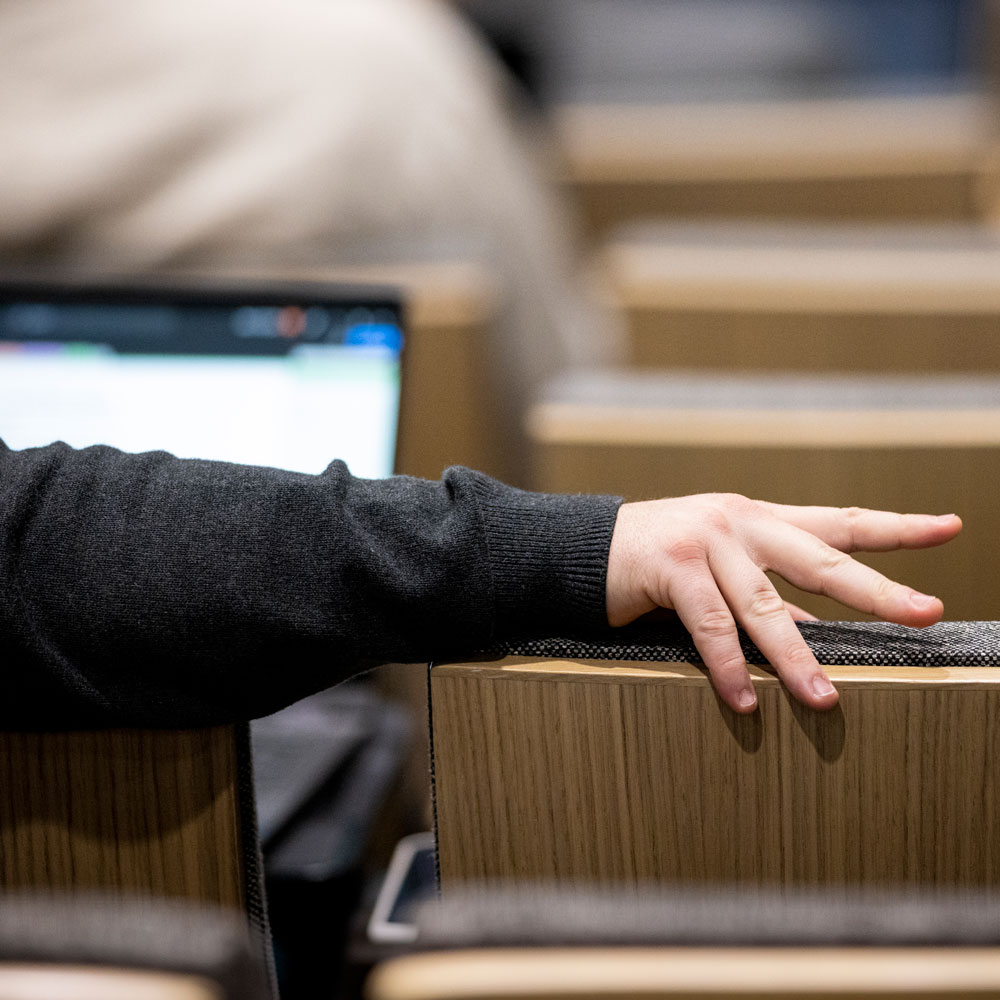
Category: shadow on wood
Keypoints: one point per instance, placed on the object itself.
(136, 812)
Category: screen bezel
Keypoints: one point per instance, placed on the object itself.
(194, 293)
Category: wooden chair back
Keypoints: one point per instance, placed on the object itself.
(893, 444)
(129, 812)
(903, 158)
(613, 762)
(84, 982)
(808, 298)
(689, 974)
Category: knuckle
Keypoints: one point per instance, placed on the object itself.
(735, 501)
(716, 522)
(714, 625)
(686, 552)
(853, 516)
(735, 505)
(797, 654)
(765, 602)
(830, 561)
(883, 590)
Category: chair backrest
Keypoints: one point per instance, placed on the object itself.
(928, 444)
(86, 946)
(610, 760)
(41, 982)
(531, 942)
(689, 973)
(139, 812)
(915, 157)
(134, 814)
(808, 297)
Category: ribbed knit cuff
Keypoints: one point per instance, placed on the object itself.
(548, 558)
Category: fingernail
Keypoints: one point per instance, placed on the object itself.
(943, 517)
(822, 685)
(747, 698)
(921, 601)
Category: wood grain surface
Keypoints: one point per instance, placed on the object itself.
(806, 300)
(936, 461)
(138, 812)
(688, 973)
(881, 158)
(623, 773)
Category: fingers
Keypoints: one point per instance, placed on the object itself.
(759, 608)
(855, 529)
(809, 563)
(702, 609)
(707, 557)
(711, 596)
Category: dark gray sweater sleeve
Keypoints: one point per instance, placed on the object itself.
(150, 590)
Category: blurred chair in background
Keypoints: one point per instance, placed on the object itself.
(97, 948)
(807, 297)
(876, 158)
(764, 108)
(880, 441)
(138, 817)
(593, 943)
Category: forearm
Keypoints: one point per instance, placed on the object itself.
(150, 590)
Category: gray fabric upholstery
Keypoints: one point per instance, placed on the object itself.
(254, 892)
(957, 644)
(716, 917)
(711, 391)
(143, 934)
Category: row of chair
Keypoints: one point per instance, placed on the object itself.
(601, 761)
(559, 765)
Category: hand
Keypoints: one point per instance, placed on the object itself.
(706, 557)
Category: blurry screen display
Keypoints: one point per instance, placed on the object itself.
(292, 382)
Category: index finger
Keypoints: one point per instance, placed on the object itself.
(857, 529)
(760, 610)
(806, 561)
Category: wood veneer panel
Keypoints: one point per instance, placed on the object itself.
(807, 299)
(757, 342)
(903, 158)
(608, 772)
(132, 811)
(936, 460)
(688, 973)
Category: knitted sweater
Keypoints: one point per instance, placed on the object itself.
(155, 591)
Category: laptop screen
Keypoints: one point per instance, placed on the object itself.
(292, 379)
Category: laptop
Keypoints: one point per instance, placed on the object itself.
(291, 377)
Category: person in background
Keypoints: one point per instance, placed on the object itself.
(235, 138)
